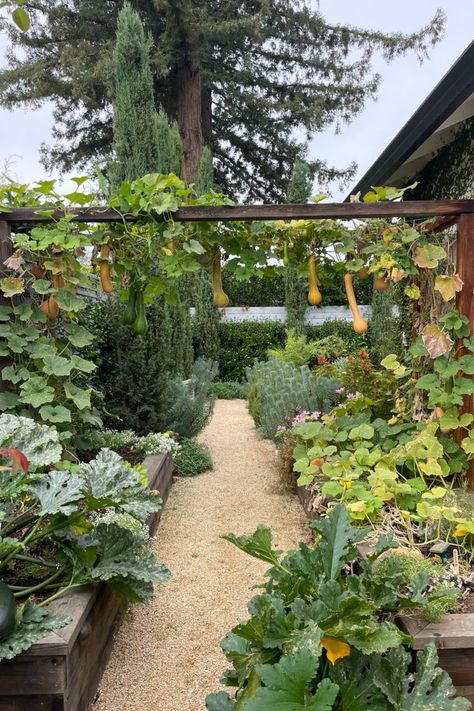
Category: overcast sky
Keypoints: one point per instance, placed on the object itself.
(405, 85)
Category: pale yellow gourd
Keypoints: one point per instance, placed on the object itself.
(359, 324)
(314, 295)
(220, 297)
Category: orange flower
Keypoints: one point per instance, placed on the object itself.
(335, 649)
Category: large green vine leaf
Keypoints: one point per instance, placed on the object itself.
(220, 702)
(33, 623)
(429, 689)
(36, 391)
(39, 443)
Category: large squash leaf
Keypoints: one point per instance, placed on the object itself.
(220, 702)
(338, 537)
(258, 545)
(286, 686)
(57, 492)
(429, 689)
(33, 623)
(39, 443)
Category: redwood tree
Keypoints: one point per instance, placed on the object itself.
(241, 76)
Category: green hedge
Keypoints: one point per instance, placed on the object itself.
(243, 343)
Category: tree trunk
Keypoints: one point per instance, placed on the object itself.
(190, 100)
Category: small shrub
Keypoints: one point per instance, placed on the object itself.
(360, 375)
(278, 391)
(228, 390)
(128, 440)
(190, 405)
(192, 459)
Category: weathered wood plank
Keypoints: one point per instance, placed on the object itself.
(453, 631)
(198, 213)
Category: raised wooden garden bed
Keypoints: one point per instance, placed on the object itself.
(453, 634)
(62, 671)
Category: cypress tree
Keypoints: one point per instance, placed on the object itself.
(298, 191)
(134, 114)
(215, 64)
(170, 148)
(205, 176)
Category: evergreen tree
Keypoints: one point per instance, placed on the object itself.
(205, 176)
(298, 191)
(240, 76)
(134, 113)
(170, 148)
(206, 319)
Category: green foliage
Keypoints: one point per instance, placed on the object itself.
(39, 443)
(33, 623)
(52, 516)
(205, 177)
(134, 115)
(296, 299)
(132, 373)
(320, 635)
(298, 351)
(223, 40)
(193, 458)
(170, 148)
(189, 405)
(152, 443)
(296, 287)
(241, 344)
(229, 390)
(384, 333)
(361, 376)
(206, 318)
(353, 342)
(278, 391)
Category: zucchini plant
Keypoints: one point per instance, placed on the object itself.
(321, 635)
(63, 525)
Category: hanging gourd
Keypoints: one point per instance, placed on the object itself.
(381, 283)
(140, 325)
(314, 295)
(104, 267)
(221, 299)
(50, 308)
(359, 324)
(130, 313)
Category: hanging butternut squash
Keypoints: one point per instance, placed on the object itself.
(314, 295)
(221, 299)
(381, 283)
(359, 324)
(104, 267)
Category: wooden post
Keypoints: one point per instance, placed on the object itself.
(465, 299)
(6, 250)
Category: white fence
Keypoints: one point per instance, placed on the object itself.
(314, 315)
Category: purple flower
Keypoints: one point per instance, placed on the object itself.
(341, 390)
(351, 396)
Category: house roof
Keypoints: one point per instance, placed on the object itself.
(431, 127)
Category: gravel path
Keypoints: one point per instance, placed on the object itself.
(166, 656)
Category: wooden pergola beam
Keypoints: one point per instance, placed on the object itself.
(197, 213)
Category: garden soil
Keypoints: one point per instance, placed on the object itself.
(166, 655)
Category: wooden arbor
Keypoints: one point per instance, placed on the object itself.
(447, 212)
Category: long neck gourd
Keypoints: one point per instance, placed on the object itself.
(314, 295)
(359, 324)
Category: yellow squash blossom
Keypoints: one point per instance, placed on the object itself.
(335, 649)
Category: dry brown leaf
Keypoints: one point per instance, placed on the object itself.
(436, 341)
